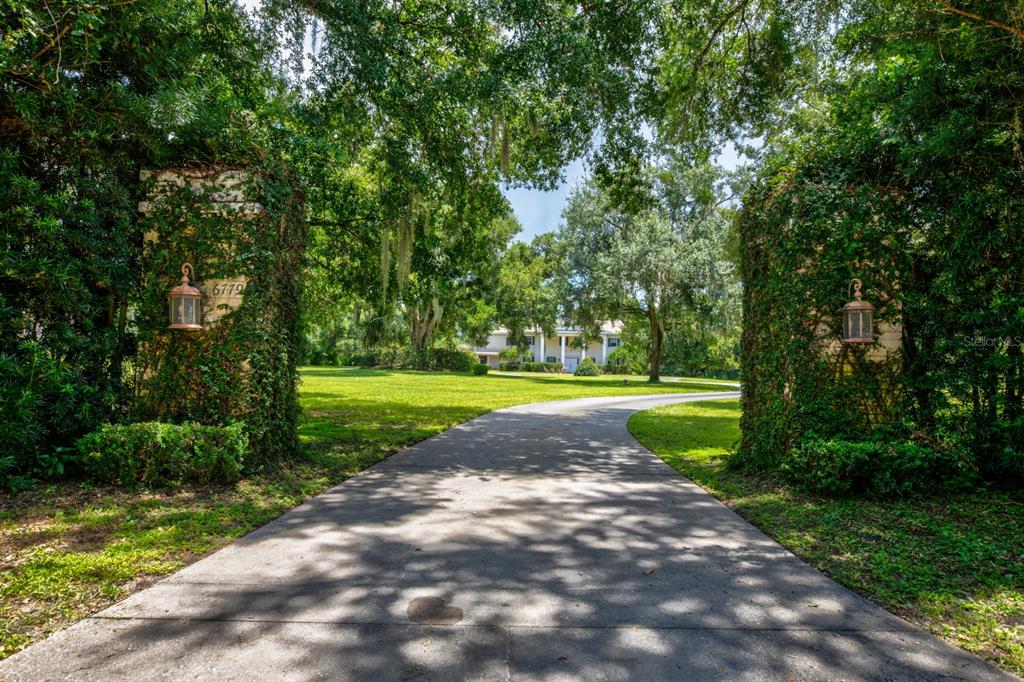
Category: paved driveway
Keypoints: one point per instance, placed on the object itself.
(536, 543)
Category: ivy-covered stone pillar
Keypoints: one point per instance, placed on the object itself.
(244, 232)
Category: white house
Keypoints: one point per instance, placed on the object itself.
(555, 348)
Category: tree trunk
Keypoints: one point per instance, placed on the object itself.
(423, 324)
(918, 346)
(657, 340)
(1013, 381)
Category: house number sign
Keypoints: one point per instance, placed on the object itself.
(227, 289)
(221, 296)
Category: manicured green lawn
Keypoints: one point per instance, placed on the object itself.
(953, 565)
(70, 549)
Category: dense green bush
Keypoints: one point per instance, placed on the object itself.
(361, 359)
(542, 367)
(587, 368)
(877, 469)
(446, 359)
(626, 360)
(45, 404)
(432, 359)
(330, 343)
(480, 369)
(684, 371)
(155, 453)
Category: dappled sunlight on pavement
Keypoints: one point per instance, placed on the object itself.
(537, 542)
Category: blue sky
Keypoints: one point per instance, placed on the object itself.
(540, 212)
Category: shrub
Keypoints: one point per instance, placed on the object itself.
(364, 359)
(704, 373)
(520, 366)
(545, 367)
(876, 469)
(627, 361)
(587, 368)
(434, 359)
(45, 405)
(155, 453)
(480, 369)
(451, 359)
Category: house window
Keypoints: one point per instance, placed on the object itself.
(550, 358)
(508, 341)
(529, 340)
(613, 342)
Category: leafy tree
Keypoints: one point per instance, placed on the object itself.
(526, 295)
(452, 268)
(654, 265)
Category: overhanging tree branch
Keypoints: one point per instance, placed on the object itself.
(1012, 30)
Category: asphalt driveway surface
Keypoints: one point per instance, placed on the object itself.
(540, 542)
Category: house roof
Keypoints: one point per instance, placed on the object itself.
(609, 327)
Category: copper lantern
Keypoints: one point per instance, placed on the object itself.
(185, 302)
(857, 318)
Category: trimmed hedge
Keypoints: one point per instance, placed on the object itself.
(587, 368)
(683, 371)
(480, 369)
(432, 359)
(155, 453)
(877, 469)
(543, 367)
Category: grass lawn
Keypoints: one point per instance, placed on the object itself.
(953, 565)
(70, 549)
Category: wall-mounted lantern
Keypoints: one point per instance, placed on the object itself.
(185, 302)
(857, 314)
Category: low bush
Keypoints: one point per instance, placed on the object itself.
(623, 360)
(480, 369)
(522, 366)
(45, 404)
(998, 449)
(875, 469)
(363, 359)
(159, 454)
(587, 368)
(433, 359)
(684, 371)
(545, 367)
(438, 359)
